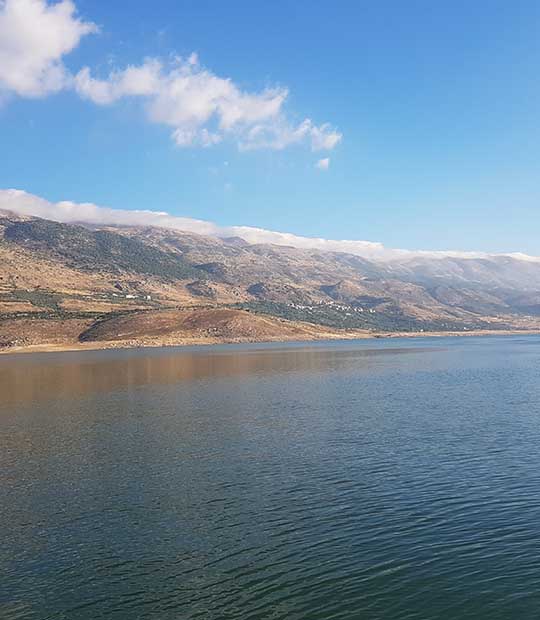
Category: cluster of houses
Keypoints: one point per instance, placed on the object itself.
(131, 296)
(334, 305)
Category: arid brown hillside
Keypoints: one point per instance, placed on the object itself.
(214, 324)
(63, 283)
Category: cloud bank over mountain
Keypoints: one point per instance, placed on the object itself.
(24, 203)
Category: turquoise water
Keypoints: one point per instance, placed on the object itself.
(376, 479)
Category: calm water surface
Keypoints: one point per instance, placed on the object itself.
(381, 480)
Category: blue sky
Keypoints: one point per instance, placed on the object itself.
(437, 106)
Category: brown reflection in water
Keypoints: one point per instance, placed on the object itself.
(39, 377)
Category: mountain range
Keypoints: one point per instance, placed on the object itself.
(69, 285)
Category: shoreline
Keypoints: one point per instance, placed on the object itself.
(211, 342)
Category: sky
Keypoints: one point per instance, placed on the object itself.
(410, 124)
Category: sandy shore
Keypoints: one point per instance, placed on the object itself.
(141, 344)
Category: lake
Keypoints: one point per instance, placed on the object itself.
(378, 479)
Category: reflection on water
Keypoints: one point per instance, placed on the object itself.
(35, 377)
(359, 480)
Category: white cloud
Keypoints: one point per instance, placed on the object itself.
(134, 81)
(281, 134)
(323, 164)
(183, 95)
(34, 38)
(203, 108)
(324, 138)
(23, 203)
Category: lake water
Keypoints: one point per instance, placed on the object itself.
(382, 479)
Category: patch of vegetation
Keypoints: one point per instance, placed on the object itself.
(39, 298)
(90, 250)
(60, 315)
(330, 315)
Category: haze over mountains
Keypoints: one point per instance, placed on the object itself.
(93, 281)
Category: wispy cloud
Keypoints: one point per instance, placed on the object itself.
(24, 203)
(323, 164)
(281, 134)
(200, 107)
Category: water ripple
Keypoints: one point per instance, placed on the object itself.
(318, 486)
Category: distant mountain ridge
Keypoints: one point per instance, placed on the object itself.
(88, 214)
(51, 271)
